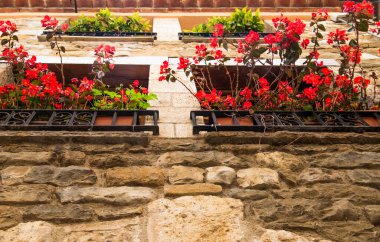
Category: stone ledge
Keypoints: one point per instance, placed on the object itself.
(61, 137)
(290, 138)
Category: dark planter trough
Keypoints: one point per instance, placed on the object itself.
(303, 121)
(104, 36)
(80, 120)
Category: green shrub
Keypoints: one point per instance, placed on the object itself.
(105, 22)
(242, 20)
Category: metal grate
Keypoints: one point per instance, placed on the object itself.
(183, 35)
(108, 34)
(361, 121)
(57, 120)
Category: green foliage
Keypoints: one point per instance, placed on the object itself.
(242, 20)
(105, 22)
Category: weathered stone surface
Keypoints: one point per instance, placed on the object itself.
(317, 175)
(25, 194)
(280, 160)
(281, 235)
(348, 160)
(110, 195)
(341, 210)
(220, 175)
(119, 230)
(9, 217)
(59, 213)
(365, 177)
(185, 175)
(192, 189)
(200, 218)
(136, 175)
(73, 158)
(29, 232)
(201, 159)
(252, 195)
(58, 176)
(373, 214)
(111, 213)
(27, 158)
(258, 178)
(119, 160)
(14, 175)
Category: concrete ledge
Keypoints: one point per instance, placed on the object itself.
(59, 137)
(291, 138)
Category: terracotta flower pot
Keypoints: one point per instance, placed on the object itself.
(243, 121)
(103, 121)
(371, 121)
(283, 3)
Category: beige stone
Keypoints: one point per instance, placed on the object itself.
(281, 160)
(118, 230)
(26, 194)
(365, 177)
(199, 218)
(317, 175)
(258, 178)
(185, 175)
(27, 158)
(29, 232)
(220, 175)
(341, 210)
(192, 189)
(373, 214)
(115, 212)
(109, 195)
(74, 158)
(9, 217)
(136, 175)
(14, 175)
(281, 236)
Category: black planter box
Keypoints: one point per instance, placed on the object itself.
(205, 37)
(360, 121)
(104, 36)
(79, 120)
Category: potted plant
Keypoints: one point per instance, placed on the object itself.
(266, 78)
(45, 101)
(236, 26)
(105, 26)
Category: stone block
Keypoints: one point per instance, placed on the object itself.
(70, 213)
(185, 175)
(192, 189)
(220, 175)
(26, 194)
(136, 175)
(258, 178)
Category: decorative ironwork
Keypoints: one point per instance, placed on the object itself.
(352, 119)
(61, 118)
(184, 35)
(19, 118)
(55, 120)
(307, 121)
(83, 118)
(289, 119)
(4, 116)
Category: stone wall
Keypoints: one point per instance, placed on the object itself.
(199, 5)
(69, 186)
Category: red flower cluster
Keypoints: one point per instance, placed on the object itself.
(106, 51)
(7, 27)
(218, 30)
(48, 22)
(339, 37)
(364, 8)
(320, 15)
(164, 69)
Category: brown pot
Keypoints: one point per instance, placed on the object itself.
(372, 121)
(103, 121)
(283, 3)
(243, 121)
(124, 120)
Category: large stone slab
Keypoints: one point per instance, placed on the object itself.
(27, 158)
(373, 214)
(220, 175)
(192, 189)
(9, 217)
(26, 194)
(29, 232)
(365, 177)
(119, 230)
(110, 195)
(185, 175)
(317, 175)
(348, 160)
(136, 175)
(57, 176)
(69, 213)
(200, 159)
(258, 178)
(199, 218)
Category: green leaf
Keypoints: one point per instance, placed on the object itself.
(321, 27)
(353, 43)
(363, 26)
(4, 41)
(15, 38)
